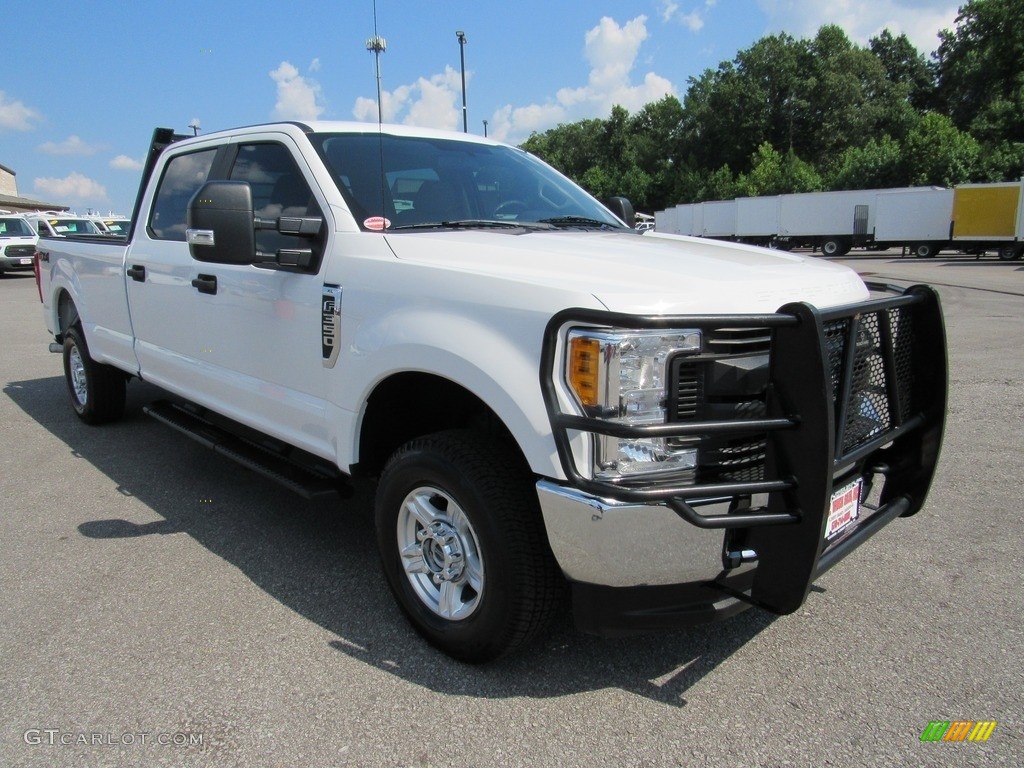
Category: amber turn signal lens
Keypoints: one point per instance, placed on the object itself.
(584, 364)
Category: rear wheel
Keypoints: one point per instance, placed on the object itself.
(463, 545)
(1010, 252)
(924, 250)
(97, 391)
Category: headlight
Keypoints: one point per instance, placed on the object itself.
(621, 376)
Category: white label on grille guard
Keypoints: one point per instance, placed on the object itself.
(844, 510)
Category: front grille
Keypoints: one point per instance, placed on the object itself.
(729, 380)
(20, 251)
(880, 394)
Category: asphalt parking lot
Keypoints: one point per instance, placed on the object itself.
(164, 607)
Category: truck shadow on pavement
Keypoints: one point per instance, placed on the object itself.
(319, 559)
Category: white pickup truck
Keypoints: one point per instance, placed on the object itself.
(555, 407)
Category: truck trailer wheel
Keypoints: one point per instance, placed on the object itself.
(96, 390)
(835, 246)
(463, 545)
(1010, 252)
(924, 250)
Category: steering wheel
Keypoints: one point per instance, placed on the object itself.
(506, 208)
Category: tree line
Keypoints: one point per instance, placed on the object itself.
(822, 113)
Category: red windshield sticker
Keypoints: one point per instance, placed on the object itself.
(377, 223)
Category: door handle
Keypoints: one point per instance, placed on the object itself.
(137, 273)
(205, 283)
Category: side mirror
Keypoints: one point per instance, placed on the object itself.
(221, 223)
(622, 208)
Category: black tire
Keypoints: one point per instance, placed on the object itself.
(1010, 252)
(97, 391)
(463, 508)
(834, 246)
(924, 250)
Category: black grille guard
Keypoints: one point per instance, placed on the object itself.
(811, 416)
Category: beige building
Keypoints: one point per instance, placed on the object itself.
(11, 201)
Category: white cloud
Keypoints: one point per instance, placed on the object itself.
(692, 20)
(314, 65)
(434, 102)
(919, 20)
(72, 145)
(74, 187)
(297, 97)
(125, 163)
(612, 51)
(15, 116)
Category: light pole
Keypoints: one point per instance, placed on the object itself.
(462, 58)
(485, 129)
(378, 45)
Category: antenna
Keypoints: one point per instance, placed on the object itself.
(377, 44)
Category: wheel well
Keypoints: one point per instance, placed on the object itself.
(432, 404)
(67, 313)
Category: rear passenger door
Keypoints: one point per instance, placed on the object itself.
(159, 273)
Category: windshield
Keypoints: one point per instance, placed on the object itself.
(430, 182)
(74, 227)
(117, 226)
(15, 228)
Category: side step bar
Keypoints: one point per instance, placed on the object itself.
(299, 472)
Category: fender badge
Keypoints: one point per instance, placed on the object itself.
(377, 223)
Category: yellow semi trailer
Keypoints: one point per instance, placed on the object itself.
(989, 217)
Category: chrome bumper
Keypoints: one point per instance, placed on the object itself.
(623, 544)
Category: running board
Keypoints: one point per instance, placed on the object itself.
(299, 472)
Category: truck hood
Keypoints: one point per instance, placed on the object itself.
(639, 274)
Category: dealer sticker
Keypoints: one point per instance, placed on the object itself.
(844, 510)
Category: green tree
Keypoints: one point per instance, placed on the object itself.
(980, 67)
(936, 152)
(877, 164)
(718, 185)
(773, 173)
(572, 148)
(905, 68)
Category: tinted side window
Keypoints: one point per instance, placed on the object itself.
(182, 178)
(278, 189)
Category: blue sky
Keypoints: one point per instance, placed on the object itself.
(84, 82)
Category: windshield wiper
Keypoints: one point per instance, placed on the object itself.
(578, 221)
(466, 224)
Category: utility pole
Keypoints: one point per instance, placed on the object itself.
(462, 58)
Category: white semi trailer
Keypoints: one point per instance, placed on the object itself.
(975, 218)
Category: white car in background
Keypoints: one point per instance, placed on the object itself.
(60, 225)
(17, 243)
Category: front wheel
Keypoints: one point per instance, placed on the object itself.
(97, 391)
(463, 545)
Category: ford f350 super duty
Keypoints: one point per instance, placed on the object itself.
(554, 407)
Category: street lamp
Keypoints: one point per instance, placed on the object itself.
(194, 125)
(485, 129)
(462, 58)
(378, 45)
